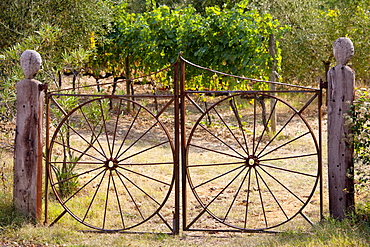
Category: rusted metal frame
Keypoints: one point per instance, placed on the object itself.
(176, 214)
(232, 92)
(113, 96)
(241, 77)
(233, 230)
(319, 108)
(47, 158)
(183, 144)
(194, 103)
(111, 83)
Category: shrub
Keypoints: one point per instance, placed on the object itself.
(360, 125)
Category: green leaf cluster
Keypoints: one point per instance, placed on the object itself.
(359, 120)
(232, 40)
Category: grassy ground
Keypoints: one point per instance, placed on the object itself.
(20, 232)
(17, 230)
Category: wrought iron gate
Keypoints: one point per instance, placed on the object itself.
(129, 162)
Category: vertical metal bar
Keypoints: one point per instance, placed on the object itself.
(47, 160)
(320, 153)
(183, 144)
(176, 223)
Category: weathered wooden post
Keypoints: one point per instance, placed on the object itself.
(27, 193)
(341, 80)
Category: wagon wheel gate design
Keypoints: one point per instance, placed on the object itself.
(244, 161)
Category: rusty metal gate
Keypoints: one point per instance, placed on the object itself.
(162, 161)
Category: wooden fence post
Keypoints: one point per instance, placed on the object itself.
(341, 79)
(27, 193)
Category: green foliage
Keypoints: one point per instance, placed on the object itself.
(314, 26)
(66, 173)
(232, 40)
(77, 18)
(360, 125)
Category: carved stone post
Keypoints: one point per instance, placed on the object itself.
(341, 80)
(27, 193)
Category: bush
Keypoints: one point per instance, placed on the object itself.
(360, 125)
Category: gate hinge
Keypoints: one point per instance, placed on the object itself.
(43, 87)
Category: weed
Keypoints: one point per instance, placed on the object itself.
(65, 175)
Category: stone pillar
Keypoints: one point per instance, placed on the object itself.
(341, 80)
(27, 193)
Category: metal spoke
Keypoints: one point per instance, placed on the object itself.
(106, 198)
(285, 187)
(254, 123)
(115, 127)
(128, 131)
(137, 140)
(118, 201)
(236, 114)
(283, 145)
(236, 194)
(93, 198)
(276, 134)
(145, 176)
(219, 164)
(222, 191)
(143, 151)
(92, 179)
(272, 194)
(105, 127)
(261, 199)
(266, 126)
(129, 193)
(65, 146)
(75, 131)
(287, 170)
(247, 201)
(151, 164)
(74, 176)
(219, 176)
(223, 142)
(93, 133)
(134, 184)
(232, 133)
(211, 150)
(289, 157)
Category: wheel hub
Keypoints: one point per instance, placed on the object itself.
(111, 164)
(252, 161)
